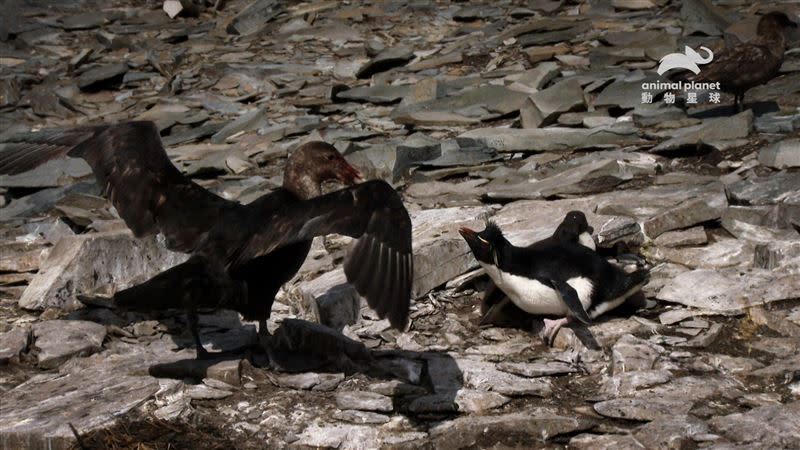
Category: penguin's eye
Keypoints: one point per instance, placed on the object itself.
(483, 240)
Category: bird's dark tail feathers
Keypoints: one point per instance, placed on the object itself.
(190, 284)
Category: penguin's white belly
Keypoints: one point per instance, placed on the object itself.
(536, 298)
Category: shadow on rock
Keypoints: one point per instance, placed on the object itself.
(759, 109)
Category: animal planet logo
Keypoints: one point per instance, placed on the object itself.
(688, 60)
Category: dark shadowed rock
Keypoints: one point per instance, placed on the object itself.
(385, 60)
(381, 93)
(99, 77)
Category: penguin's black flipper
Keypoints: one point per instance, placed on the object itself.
(571, 299)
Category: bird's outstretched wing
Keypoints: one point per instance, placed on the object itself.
(379, 264)
(135, 174)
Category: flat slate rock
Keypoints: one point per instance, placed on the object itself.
(53, 173)
(720, 254)
(544, 107)
(704, 208)
(37, 413)
(765, 190)
(468, 431)
(776, 426)
(83, 264)
(60, 340)
(309, 380)
(254, 17)
(643, 409)
(627, 383)
(480, 103)
(551, 139)
(729, 290)
(360, 417)
(671, 432)
(363, 401)
(537, 369)
(352, 437)
(711, 132)
(595, 176)
(781, 155)
(587, 441)
(682, 238)
(450, 374)
(13, 342)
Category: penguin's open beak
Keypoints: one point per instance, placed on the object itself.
(468, 234)
(479, 246)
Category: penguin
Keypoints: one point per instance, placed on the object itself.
(553, 277)
(574, 228)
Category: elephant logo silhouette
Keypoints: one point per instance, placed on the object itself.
(688, 60)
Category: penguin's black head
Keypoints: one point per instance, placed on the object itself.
(486, 244)
(574, 225)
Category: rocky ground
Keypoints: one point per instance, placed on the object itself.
(518, 110)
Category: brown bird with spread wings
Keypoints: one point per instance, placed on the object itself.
(240, 254)
(747, 65)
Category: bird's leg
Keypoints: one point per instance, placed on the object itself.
(263, 334)
(494, 312)
(551, 328)
(191, 317)
(739, 102)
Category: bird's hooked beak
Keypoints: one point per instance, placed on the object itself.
(348, 174)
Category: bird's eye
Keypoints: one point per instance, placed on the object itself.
(330, 157)
(483, 240)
